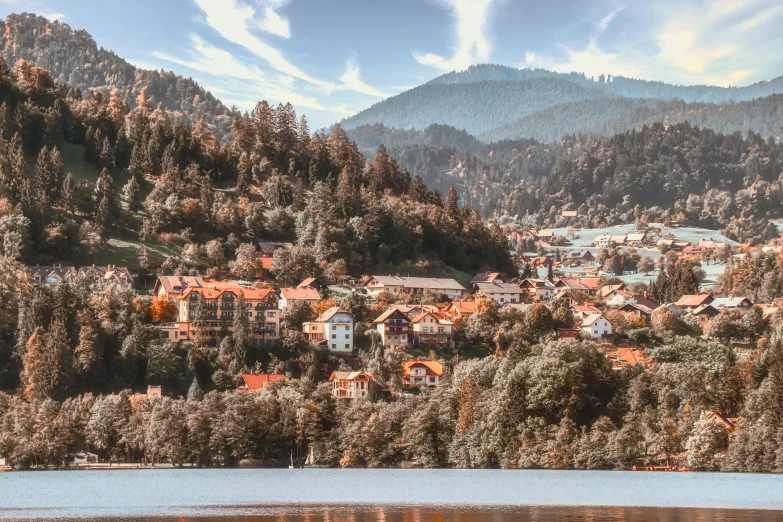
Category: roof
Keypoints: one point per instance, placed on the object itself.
(328, 314)
(433, 367)
(729, 302)
(707, 309)
(667, 242)
(385, 315)
(425, 283)
(586, 309)
(579, 283)
(293, 294)
(644, 309)
(349, 376)
(578, 254)
(178, 284)
(546, 233)
(463, 307)
(569, 213)
(44, 271)
(694, 300)
(619, 239)
(270, 247)
(442, 319)
(536, 283)
(257, 382)
(636, 237)
(647, 301)
(608, 289)
(246, 293)
(485, 277)
(494, 288)
(590, 319)
(309, 282)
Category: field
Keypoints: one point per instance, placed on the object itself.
(583, 239)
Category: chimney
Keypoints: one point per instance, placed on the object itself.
(646, 294)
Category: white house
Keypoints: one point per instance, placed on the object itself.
(538, 289)
(420, 285)
(333, 329)
(596, 326)
(501, 293)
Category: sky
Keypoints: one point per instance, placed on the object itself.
(333, 58)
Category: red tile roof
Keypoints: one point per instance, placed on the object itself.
(259, 382)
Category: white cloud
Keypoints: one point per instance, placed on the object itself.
(352, 82)
(718, 42)
(272, 23)
(473, 47)
(53, 16)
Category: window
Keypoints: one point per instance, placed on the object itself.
(432, 379)
(334, 336)
(271, 315)
(347, 336)
(347, 347)
(347, 327)
(334, 347)
(334, 327)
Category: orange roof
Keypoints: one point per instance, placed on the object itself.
(437, 315)
(266, 262)
(463, 307)
(219, 290)
(300, 293)
(259, 382)
(433, 367)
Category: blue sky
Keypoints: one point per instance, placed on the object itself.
(333, 58)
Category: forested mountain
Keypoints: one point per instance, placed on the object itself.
(73, 57)
(475, 106)
(496, 103)
(610, 116)
(617, 85)
(681, 171)
(369, 137)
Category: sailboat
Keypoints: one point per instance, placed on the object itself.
(310, 461)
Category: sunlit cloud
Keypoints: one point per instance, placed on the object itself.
(473, 46)
(351, 81)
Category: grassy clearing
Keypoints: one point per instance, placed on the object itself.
(122, 252)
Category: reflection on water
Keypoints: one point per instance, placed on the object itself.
(439, 514)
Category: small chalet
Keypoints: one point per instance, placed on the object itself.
(538, 289)
(636, 239)
(486, 277)
(458, 310)
(606, 291)
(333, 329)
(291, 295)
(499, 292)
(313, 282)
(253, 382)
(704, 315)
(596, 326)
(742, 304)
(589, 285)
(394, 327)
(432, 329)
(578, 258)
(689, 303)
(422, 373)
(350, 385)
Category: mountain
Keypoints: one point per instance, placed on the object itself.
(615, 115)
(494, 103)
(73, 57)
(475, 106)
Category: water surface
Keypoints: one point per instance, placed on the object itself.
(332, 495)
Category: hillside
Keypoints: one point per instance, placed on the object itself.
(73, 57)
(475, 107)
(615, 115)
(496, 103)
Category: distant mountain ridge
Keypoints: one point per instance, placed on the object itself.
(494, 102)
(73, 57)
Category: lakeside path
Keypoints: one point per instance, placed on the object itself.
(191, 491)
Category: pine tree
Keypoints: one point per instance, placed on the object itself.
(18, 167)
(242, 335)
(550, 276)
(205, 192)
(69, 195)
(303, 134)
(452, 204)
(132, 193)
(108, 208)
(106, 154)
(194, 392)
(86, 352)
(244, 173)
(49, 174)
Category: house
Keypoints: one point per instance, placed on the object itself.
(679, 246)
(219, 307)
(674, 309)
(704, 315)
(730, 423)
(619, 239)
(171, 287)
(538, 289)
(540, 261)
(607, 291)
(51, 275)
(253, 382)
(394, 327)
(293, 295)
(619, 298)
(458, 310)
(603, 241)
(596, 326)
(638, 310)
(333, 329)
(350, 385)
(499, 292)
(742, 304)
(486, 277)
(584, 311)
(569, 213)
(422, 374)
(267, 249)
(152, 391)
(568, 333)
(578, 258)
(664, 244)
(689, 303)
(636, 239)
(546, 235)
(420, 285)
(313, 282)
(589, 285)
(432, 329)
(112, 275)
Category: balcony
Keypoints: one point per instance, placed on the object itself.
(265, 327)
(396, 330)
(227, 306)
(266, 306)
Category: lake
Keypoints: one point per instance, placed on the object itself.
(314, 495)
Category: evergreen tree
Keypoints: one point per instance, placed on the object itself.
(132, 193)
(69, 195)
(242, 335)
